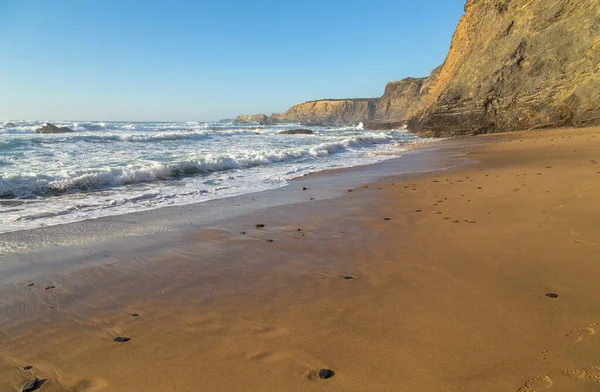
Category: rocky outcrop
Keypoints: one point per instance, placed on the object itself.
(297, 132)
(328, 112)
(51, 128)
(512, 65)
(251, 119)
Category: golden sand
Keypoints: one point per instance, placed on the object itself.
(448, 293)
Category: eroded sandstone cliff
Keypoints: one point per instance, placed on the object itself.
(512, 64)
(329, 111)
(251, 119)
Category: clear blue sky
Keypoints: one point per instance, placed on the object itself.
(207, 60)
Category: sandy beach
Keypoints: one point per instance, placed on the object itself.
(481, 277)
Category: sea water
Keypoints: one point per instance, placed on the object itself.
(110, 168)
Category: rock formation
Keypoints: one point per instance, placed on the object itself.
(329, 112)
(51, 128)
(251, 119)
(297, 132)
(512, 65)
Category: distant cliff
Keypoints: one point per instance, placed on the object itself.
(327, 112)
(251, 119)
(512, 65)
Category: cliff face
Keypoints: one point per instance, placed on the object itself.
(342, 111)
(512, 64)
(251, 119)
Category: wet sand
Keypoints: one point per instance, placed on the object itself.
(450, 272)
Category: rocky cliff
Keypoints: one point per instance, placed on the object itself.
(512, 65)
(251, 119)
(329, 111)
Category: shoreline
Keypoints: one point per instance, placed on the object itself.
(163, 220)
(454, 304)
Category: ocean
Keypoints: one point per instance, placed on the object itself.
(112, 168)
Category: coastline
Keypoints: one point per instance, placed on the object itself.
(434, 303)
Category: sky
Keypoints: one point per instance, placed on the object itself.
(207, 60)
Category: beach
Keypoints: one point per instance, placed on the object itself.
(479, 276)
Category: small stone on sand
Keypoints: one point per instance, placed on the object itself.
(418, 211)
(242, 232)
(326, 373)
(30, 284)
(27, 367)
(387, 219)
(120, 339)
(304, 188)
(31, 385)
(49, 287)
(269, 240)
(134, 314)
(260, 225)
(552, 295)
(348, 277)
(350, 190)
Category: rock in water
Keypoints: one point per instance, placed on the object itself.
(326, 373)
(51, 128)
(31, 385)
(297, 132)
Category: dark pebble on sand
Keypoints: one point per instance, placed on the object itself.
(269, 240)
(304, 188)
(552, 295)
(49, 287)
(438, 212)
(27, 367)
(120, 339)
(418, 211)
(456, 221)
(312, 198)
(326, 373)
(32, 385)
(260, 225)
(30, 284)
(242, 232)
(350, 190)
(134, 314)
(348, 277)
(387, 218)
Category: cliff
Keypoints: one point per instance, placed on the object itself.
(512, 65)
(251, 119)
(329, 111)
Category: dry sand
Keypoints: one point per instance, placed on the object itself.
(448, 294)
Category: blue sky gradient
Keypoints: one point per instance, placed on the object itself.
(207, 60)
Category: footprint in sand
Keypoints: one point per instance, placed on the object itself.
(589, 372)
(578, 334)
(537, 384)
(574, 234)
